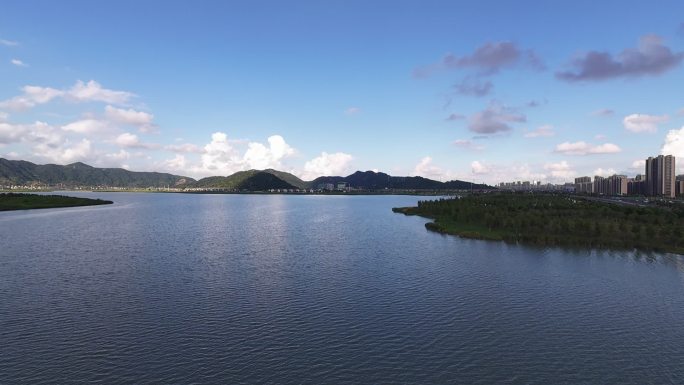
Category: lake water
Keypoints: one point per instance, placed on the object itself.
(274, 289)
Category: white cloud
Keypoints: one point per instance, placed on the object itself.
(220, 158)
(79, 92)
(327, 164)
(261, 157)
(36, 133)
(142, 120)
(8, 43)
(46, 143)
(127, 140)
(584, 148)
(560, 170)
(542, 131)
(184, 148)
(32, 95)
(600, 137)
(86, 126)
(132, 141)
(119, 156)
(3, 116)
(352, 110)
(639, 164)
(175, 164)
(18, 63)
(66, 152)
(674, 143)
(427, 169)
(92, 91)
(496, 173)
(604, 172)
(643, 123)
(479, 168)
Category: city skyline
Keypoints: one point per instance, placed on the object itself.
(327, 89)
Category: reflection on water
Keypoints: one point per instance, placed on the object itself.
(162, 288)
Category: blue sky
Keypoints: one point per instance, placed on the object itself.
(491, 91)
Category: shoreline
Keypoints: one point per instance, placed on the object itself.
(25, 201)
(603, 233)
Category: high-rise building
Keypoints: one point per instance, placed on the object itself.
(583, 185)
(660, 176)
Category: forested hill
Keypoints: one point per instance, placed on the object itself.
(19, 172)
(378, 180)
(252, 180)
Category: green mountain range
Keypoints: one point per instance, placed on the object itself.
(19, 172)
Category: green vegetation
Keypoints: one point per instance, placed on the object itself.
(252, 180)
(546, 219)
(19, 172)
(14, 201)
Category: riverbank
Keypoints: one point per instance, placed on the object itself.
(22, 201)
(555, 220)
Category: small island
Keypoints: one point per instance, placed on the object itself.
(556, 220)
(21, 201)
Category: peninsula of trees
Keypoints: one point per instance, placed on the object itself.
(556, 220)
(14, 201)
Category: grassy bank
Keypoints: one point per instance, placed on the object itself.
(20, 201)
(555, 220)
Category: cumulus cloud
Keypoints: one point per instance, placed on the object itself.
(487, 59)
(651, 57)
(560, 170)
(584, 148)
(604, 172)
(92, 91)
(674, 143)
(478, 168)
(643, 123)
(220, 157)
(473, 87)
(128, 140)
(495, 118)
(427, 169)
(86, 126)
(119, 156)
(327, 164)
(639, 164)
(142, 120)
(31, 96)
(542, 131)
(18, 63)
(184, 148)
(35, 133)
(175, 164)
(80, 92)
(261, 157)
